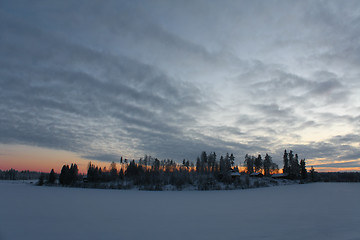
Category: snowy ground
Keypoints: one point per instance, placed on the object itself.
(310, 211)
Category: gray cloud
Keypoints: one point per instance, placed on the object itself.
(61, 93)
(78, 99)
(345, 139)
(323, 88)
(103, 157)
(112, 78)
(349, 164)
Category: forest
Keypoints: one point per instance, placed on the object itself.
(13, 174)
(207, 173)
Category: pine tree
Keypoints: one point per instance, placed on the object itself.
(258, 163)
(294, 165)
(41, 179)
(203, 161)
(286, 162)
(198, 165)
(313, 176)
(303, 171)
(113, 171)
(156, 165)
(52, 176)
(64, 177)
(215, 164)
(121, 175)
(249, 164)
(73, 174)
(227, 162)
(92, 173)
(267, 165)
(222, 165)
(211, 162)
(232, 160)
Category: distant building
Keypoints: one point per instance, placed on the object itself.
(256, 174)
(235, 175)
(85, 179)
(280, 175)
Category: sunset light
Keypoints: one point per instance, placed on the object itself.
(172, 83)
(179, 119)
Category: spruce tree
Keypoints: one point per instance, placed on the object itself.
(52, 176)
(113, 171)
(286, 162)
(227, 162)
(64, 177)
(267, 165)
(303, 171)
(232, 159)
(258, 163)
(222, 165)
(41, 179)
(203, 161)
(294, 165)
(73, 174)
(121, 175)
(249, 163)
(198, 165)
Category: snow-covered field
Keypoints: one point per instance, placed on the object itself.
(310, 211)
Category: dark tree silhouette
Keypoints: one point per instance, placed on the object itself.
(69, 175)
(294, 165)
(303, 171)
(113, 171)
(249, 163)
(227, 162)
(41, 179)
(121, 174)
(232, 160)
(52, 177)
(267, 165)
(258, 163)
(73, 173)
(203, 162)
(64, 177)
(286, 162)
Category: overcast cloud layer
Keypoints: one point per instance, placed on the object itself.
(171, 79)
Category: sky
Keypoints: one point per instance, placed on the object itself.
(86, 80)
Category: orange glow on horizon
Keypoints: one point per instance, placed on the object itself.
(336, 169)
(21, 157)
(319, 165)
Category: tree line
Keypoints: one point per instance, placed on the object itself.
(13, 174)
(207, 173)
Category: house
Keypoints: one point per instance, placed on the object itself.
(235, 175)
(85, 179)
(256, 174)
(280, 175)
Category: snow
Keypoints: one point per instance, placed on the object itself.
(306, 211)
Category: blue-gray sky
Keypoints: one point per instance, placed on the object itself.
(170, 79)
